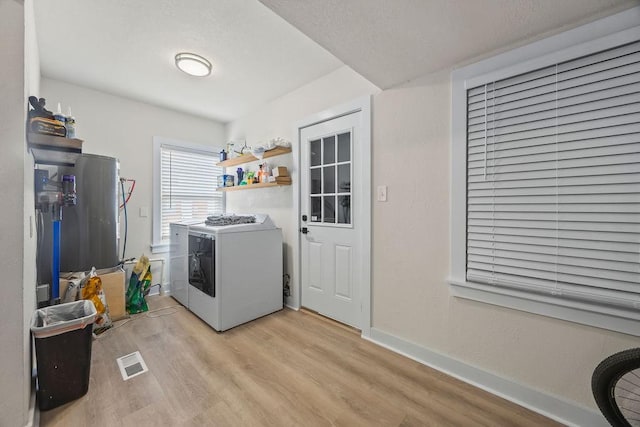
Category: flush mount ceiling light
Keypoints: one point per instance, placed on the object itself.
(193, 64)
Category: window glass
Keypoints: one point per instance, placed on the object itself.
(188, 182)
(344, 147)
(344, 178)
(329, 155)
(315, 150)
(329, 209)
(316, 209)
(344, 209)
(329, 179)
(316, 181)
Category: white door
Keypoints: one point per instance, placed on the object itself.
(330, 203)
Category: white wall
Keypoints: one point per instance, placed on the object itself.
(410, 235)
(410, 241)
(32, 88)
(19, 76)
(277, 119)
(118, 127)
(410, 261)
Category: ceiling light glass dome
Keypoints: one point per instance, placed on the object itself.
(193, 64)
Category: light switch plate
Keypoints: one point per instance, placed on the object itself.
(382, 193)
(144, 212)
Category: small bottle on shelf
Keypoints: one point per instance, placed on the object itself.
(240, 174)
(260, 174)
(70, 124)
(60, 117)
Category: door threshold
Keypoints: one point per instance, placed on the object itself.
(327, 319)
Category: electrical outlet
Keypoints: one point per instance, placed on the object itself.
(382, 193)
(42, 293)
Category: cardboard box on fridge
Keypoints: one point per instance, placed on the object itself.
(113, 285)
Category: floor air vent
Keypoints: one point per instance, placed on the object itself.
(131, 365)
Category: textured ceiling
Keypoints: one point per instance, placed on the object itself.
(127, 48)
(392, 41)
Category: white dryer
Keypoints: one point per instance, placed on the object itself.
(234, 272)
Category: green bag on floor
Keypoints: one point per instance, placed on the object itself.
(139, 285)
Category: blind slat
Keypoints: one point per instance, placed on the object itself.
(612, 247)
(488, 248)
(550, 93)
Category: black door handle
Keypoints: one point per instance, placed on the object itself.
(304, 230)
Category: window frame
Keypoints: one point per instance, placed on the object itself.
(158, 245)
(596, 36)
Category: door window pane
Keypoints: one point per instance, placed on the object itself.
(315, 151)
(344, 147)
(329, 179)
(329, 209)
(329, 149)
(316, 209)
(316, 181)
(344, 209)
(344, 178)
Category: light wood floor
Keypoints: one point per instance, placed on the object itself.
(287, 369)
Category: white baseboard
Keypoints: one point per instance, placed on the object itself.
(33, 416)
(553, 407)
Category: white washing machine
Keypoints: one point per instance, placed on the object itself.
(234, 272)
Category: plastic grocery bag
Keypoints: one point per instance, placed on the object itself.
(92, 290)
(58, 319)
(73, 288)
(139, 285)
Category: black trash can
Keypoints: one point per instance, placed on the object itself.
(63, 338)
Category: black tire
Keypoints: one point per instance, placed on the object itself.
(605, 379)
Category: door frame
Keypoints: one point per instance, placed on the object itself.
(363, 154)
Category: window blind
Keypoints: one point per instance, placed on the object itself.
(188, 186)
(553, 179)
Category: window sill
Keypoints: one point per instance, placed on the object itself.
(614, 319)
(159, 248)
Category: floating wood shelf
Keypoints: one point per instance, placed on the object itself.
(253, 186)
(246, 158)
(54, 150)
